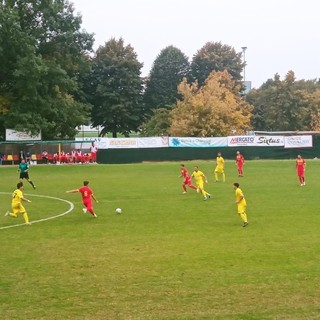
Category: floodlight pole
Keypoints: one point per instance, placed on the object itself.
(244, 61)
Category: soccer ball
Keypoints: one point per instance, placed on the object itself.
(119, 210)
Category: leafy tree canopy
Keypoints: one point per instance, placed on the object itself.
(116, 88)
(215, 56)
(43, 53)
(158, 124)
(286, 105)
(168, 70)
(211, 110)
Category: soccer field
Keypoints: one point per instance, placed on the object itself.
(168, 255)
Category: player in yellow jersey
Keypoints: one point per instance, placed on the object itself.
(241, 203)
(16, 203)
(200, 179)
(219, 168)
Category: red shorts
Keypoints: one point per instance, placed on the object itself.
(300, 172)
(88, 204)
(187, 181)
(240, 165)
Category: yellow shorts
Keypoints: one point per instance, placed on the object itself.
(200, 184)
(219, 170)
(242, 207)
(18, 208)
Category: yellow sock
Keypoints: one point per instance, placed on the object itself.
(12, 215)
(243, 216)
(204, 193)
(216, 176)
(26, 218)
(224, 177)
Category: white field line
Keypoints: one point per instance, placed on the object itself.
(44, 219)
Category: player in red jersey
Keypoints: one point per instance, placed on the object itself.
(87, 194)
(186, 179)
(301, 168)
(240, 163)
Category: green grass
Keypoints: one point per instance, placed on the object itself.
(168, 255)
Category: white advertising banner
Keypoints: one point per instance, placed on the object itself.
(237, 141)
(125, 143)
(155, 142)
(268, 141)
(13, 135)
(256, 141)
(122, 143)
(301, 141)
(197, 142)
(298, 141)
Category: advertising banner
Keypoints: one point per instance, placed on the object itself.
(238, 141)
(298, 141)
(269, 141)
(155, 142)
(256, 141)
(125, 143)
(13, 135)
(183, 142)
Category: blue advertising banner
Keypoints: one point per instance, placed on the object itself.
(183, 142)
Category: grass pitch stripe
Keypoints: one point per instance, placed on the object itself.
(44, 219)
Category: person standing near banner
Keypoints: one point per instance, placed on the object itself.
(301, 169)
(93, 151)
(240, 163)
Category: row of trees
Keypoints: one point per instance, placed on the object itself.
(43, 55)
(286, 105)
(52, 80)
(124, 102)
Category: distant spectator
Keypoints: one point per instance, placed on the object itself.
(79, 156)
(73, 154)
(93, 151)
(69, 157)
(44, 155)
(55, 157)
(63, 157)
(28, 157)
(22, 155)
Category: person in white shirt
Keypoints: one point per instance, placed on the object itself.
(93, 151)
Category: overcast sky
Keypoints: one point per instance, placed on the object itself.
(280, 35)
